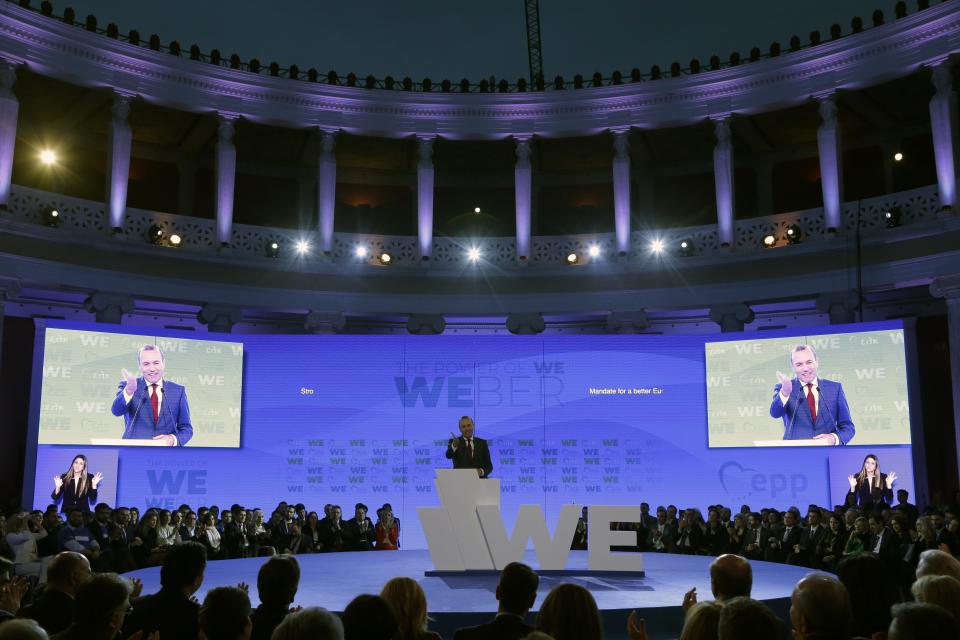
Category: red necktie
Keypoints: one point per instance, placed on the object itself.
(470, 447)
(155, 403)
(811, 402)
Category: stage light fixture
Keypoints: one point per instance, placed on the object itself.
(573, 258)
(155, 234)
(473, 254)
(656, 246)
(892, 217)
(686, 247)
(48, 157)
(303, 246)
(897, 157)
(273, 249)
(361, 251)
(594, 251)
(794, 234)
(769, 241)
(51, 218)
(385, 258)
(175, 240)
(476, 209)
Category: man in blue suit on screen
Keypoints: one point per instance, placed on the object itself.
(153, 408)
(811, 407)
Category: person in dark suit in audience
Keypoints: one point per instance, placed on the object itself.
(516, 593)
(468, 452)
(332, 530)
(884, 544)
(804, 553)
(54, 609)
(172, 611)
(358, 532)
(225, 614)
(782, 540)
(754, 539)
(235, 536)
(277, 584)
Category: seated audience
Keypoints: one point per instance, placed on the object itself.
(76, 536)
(410, 605)
(516, 592)
(569, 612)
(387, 531)
(820, 608)
(934, 562)
(872, 592)
(12, 590)
(312, 623)
(744, 617)
(939, 590)
(277, 584)
(100, 609)
(921, 621)
(172, 611)
(53, 610)
(209, 536)
(225, 615)
(702, 621)
(23, 541)
(358, 532)
(369, 617)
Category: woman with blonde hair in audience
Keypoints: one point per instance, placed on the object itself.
(569, 612)
(26, 560)
(940, 590)
(410, 604)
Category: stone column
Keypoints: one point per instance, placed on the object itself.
(525, 323)
(621, 189)
(120, 140)
(327, 189)
(831, 163)
(943, 123)
(324, 322)
(840, 305)
(522, 184)
(226, 177)
(948, 287)
(425, 195)
(723, 180)
(627, 321)
(424, 324)
(9, 109)
(219, 318)
(109, 308)
(731, 317)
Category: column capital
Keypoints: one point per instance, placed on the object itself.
(840, 305)
(942, 77)
(627, 321)
(523, 151)
(828, 109)
(120, 109)
(621, 144)
(328, 142)
(947, 287)
(525, 323)
(425, 149)
(324, 322)
(721, 130)
(732, 317)
(225, 129)
(423, 324)
(219, 318)
(109, 307)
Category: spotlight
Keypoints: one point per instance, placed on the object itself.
(892, 217)
(273, 249)
(573, 258)
(361, 251)
(302, 246)
(473, 254)
(385, 258)
(769, 241)
(48, 157)
(656, 246)
(794, 234)
(155, 234)
(476, 209)
(686, 247)
(175, 240)
(51, 218)
(897, 157)
(594, 251)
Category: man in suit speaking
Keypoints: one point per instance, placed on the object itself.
(153, 408)
(810, 406)
(468, 452)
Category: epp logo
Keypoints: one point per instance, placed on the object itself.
(743, 482)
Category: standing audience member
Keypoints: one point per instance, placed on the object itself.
(820, 608)
(54, 609)
(569, 612)
(172, 611)
(277, 584)
(312, 623)
(516, 592)
(101, 606)
(225, 615)
(410, 605)
(369, 617)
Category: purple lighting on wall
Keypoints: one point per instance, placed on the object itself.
(327, 190)
(723, 179)
(522, 179)
(943, 122)
(621, 189)
(828, 145)
(226, 167)
(121, 138)
(9, 109)
(425, 196)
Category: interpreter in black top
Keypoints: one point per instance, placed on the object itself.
(76, 489)
(468, 452)
(870, 488)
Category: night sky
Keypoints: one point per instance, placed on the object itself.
(455, 38)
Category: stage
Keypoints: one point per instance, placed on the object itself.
(332, 580)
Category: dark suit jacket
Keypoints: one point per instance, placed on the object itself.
(809, 542)
(833, 413)
(333, 540)
(70, 499)
(265, 620)
(137, 414)
(889, 549)
(53, 611)
(783, 551)
(480, 459)
(168, 611)
(503, 627)
(354, 539)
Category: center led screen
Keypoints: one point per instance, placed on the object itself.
(618, 419)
